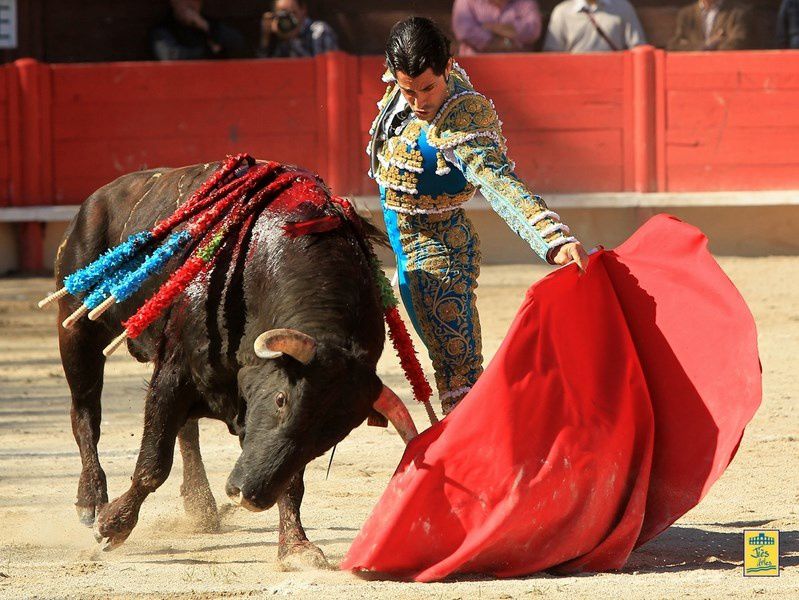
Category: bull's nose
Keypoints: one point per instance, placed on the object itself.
(247, 496)
(250, 505)
(233, 492)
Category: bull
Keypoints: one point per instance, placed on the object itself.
(280, 341)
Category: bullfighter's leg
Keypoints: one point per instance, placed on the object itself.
(165, 411)
(197, 497)
(438, 262)
(295, 552)
(81, 349)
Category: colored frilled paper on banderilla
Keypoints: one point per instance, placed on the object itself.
(550, 462)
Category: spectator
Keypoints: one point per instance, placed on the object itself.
(288, 31)
(189, 35)
(788, 24)
(496, 25)
(713, 25)
(593, 26)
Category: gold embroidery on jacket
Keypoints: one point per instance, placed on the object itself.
(402, 202)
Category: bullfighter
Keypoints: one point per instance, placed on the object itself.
(435, 141)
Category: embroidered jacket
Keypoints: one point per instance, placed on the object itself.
(411, 163)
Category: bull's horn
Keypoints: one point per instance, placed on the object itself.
(277, 342)
(390, 406)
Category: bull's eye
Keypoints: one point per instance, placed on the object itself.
(280, 399)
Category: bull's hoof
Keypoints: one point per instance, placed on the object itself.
(91, 495)
(110, 543)
(302, 556)
(86, 514)
(116, 521)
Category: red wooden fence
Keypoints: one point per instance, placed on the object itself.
(641, 121)
(113, 119)
(567, 118)
(732, 121)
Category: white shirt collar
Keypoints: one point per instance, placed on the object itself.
(582, 5)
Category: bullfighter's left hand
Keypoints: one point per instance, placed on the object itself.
(567, 253)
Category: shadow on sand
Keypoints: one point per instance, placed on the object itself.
(682, 548)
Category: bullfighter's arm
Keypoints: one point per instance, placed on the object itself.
(478, 150)
(486, 166)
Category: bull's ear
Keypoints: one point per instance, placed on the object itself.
(277, 342)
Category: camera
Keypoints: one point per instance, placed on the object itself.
(286, 21)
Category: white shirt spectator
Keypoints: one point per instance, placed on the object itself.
(571, 28)
(709, 15)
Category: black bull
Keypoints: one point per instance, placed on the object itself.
(280, 341)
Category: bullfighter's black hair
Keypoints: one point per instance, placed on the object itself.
(416, 44)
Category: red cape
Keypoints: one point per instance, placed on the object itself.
(615, 401)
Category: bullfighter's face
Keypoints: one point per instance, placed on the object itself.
(425, 93)
(296, 410)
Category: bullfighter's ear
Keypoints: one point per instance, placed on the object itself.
(277, 342)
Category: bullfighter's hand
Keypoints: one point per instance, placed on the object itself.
(573, 251)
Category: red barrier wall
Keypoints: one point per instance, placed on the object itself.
(628, 121)
(732, 121)
(112, 119)
(566, 118)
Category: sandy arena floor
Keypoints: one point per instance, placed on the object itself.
(46, 553)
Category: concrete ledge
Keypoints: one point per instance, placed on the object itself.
(736, 223)
(51, 214)
(635, 200)
(41, 214)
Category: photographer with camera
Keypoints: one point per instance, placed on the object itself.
(288, 32)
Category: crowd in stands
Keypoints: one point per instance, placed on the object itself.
(481, 26)
(714, 25)
(287, 31)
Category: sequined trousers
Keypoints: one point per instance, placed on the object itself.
(438, 262)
